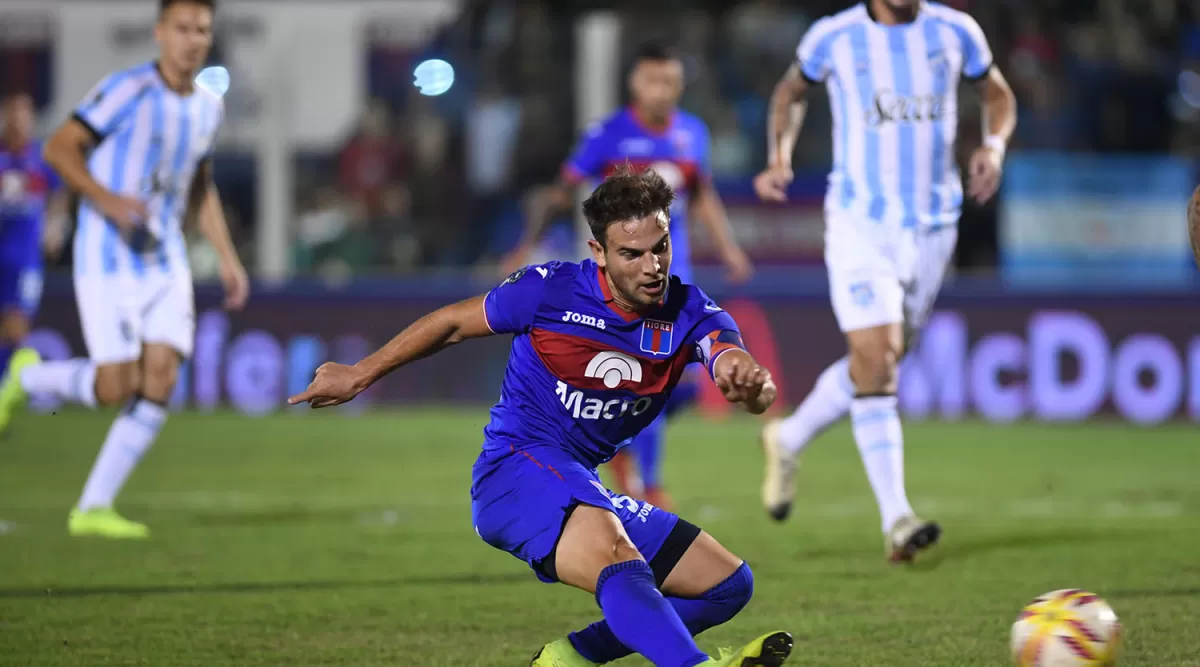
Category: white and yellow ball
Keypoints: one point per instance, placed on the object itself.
(1066, 628)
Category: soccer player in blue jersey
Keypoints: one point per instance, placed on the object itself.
(30, 195)
(597, 349)
(652, 133)
(138, 150)
(892, 69)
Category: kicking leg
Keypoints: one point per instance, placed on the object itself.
(596, 555)
(128, 440)
(874, 355)
(783, 440)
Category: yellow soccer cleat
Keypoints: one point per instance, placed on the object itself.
(105, 522)
(770, 650)
(560, 653)
(12, 394)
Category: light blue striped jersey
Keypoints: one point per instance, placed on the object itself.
(893, 92)
(150, 140)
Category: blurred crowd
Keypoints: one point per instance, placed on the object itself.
(430, 182)
(438, 182)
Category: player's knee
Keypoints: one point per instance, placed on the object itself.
(734, 593)
(873, 366)
(623, 550)
(14, 328)
(115, 385)
(159, 375)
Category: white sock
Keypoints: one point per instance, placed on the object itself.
(72, 380)
(128, 440)
(828, 402)
(880, 439)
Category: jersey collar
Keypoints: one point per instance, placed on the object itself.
(605, 294)
(916, 17)
(645, 126)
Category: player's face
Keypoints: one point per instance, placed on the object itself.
(656, 86)
(902, 5)
(637, 259)
(18, 114)
(184, 34)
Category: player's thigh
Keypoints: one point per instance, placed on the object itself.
(935, 254)
(110, 315)
(705, 564)
(864, 285)
(592, 540)
(170, 319)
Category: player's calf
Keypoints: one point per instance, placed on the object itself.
(874, 356)
(114, 384)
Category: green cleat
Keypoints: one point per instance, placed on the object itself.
(105, 522)
(770, 650)
(560, 653)
(12, 394)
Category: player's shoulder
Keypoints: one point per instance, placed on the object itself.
(832, 24)
(607, 126)
(141, 74)
(691, 301)
(950, 15)
(690, 122)
(549, 272)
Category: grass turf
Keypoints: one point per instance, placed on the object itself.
(328, 540)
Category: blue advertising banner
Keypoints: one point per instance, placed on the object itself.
(1096, 220)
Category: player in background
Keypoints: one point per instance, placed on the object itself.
(892, 68)
(597, 348)
(138, 150)
(30, 197)
(651, 133)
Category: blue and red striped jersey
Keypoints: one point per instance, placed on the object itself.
(26, 182)
(585, 375)
(679, 153)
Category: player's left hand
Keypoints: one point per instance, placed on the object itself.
(333, 384)
(743, 381)
(237, 285)
(984, 176)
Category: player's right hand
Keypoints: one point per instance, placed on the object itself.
(125, 212)
(772, 183)
(333, 384)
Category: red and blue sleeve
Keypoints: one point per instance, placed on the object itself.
(716, 335)
(510, 307)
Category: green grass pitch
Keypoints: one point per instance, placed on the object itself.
(330, 540)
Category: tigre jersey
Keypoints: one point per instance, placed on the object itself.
(26, 183)
(584, 375)
(893, 95)
(679, 153)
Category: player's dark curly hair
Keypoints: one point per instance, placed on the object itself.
(163, 5)
(628, 194)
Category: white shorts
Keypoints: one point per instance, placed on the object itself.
(120, 313)
(880, 275)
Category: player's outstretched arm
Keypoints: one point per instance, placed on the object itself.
(742, 380)
(338, 383)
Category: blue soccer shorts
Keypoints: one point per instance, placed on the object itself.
(522, 498)
(21, 289)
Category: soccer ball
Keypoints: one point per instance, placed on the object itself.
(1066, 628)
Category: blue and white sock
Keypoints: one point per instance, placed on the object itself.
(828, 402)
(880, 438)
(73, 380)
(128, 440)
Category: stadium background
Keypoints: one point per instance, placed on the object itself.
(290, 538)
(360, 204)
